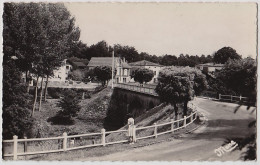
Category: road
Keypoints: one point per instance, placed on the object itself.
(222, 123)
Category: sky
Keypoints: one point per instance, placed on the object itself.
(169, 28)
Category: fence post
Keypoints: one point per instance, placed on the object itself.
(184, 122)
(15, 138)
(65, 141)
(172, 124)
(231, 98)
(25, 145)
(240, 97)
(134, 133)
(103, 139)
(155, 130)
(219, 96)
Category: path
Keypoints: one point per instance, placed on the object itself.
(200, 145)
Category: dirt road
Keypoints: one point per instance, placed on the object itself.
(222, 124)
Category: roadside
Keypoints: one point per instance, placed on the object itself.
(200, 145)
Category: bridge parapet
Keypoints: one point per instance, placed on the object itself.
(140, 89)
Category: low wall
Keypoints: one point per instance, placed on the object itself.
(125, 104)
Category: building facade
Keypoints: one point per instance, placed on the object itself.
(148, 65)
(209, 67)
(122, 68)
(60, 75)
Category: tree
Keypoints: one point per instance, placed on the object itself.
(101, 49)
(16, 102)
(103, 74)
(76, 75)
(169, 60)
(225, 53)
(240, 76)
(142, 75)
(38, 31)
(179, 85)
(79, 50)
(69, 105)
(128, 52)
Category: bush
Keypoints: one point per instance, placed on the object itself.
(55, 93)
(69, 107)
(16, 121)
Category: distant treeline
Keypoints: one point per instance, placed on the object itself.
(102, 49)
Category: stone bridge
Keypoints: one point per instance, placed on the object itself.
(139, 89)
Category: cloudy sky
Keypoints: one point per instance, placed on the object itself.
(169, 28)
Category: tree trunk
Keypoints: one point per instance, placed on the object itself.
(46, 87)
(40, 104)
(27, 81)
(175, 110)
(35, 95)
(185, 108)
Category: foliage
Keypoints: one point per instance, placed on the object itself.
(142, 75)
(240, 76)
(179, 84)
(55, 93)
(34, 31)
(216, 86)
(103, 73)
(16, 115)
(76, 75)
(101, 49)
(225, 53)
(69, 105)
(128, 52)
(79, 50)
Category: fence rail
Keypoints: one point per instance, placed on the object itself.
(232, 98)
(146, 90)
(68, 141)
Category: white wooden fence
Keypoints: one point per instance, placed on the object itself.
(232, 98)
(146, 90)
(68, 142)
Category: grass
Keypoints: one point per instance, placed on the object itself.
(89, 119)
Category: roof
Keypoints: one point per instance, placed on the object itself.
(125, 65)
(211, 65)
(78, 64)
(101, 61)
(144, 63)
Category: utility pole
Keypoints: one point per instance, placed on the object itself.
(113, 54)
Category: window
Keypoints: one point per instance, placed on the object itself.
(67, 67)
(154, 72)
(125, 72)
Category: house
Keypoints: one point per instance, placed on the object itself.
(60, 75)
(121, 66)
(148, 65)
(209, 67)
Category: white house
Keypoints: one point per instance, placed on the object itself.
(60, 76)
(148, 65)
(120, 64)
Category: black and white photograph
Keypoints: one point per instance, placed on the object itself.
(129, 81)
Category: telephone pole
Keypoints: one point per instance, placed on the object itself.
(113, 54)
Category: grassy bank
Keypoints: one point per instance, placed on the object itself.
(89, 119)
